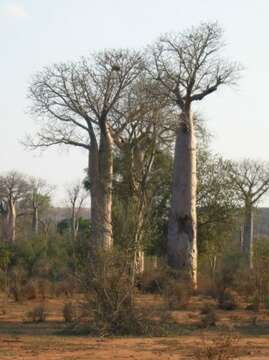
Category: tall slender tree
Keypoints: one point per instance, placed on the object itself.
(188, 67)
(13, 188)
(251, 182)
(37, 200)
(76, 197)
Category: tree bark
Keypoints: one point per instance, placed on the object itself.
(182, 238)
(10, 222)
(248, 235)
(35, 220)
(100, 175)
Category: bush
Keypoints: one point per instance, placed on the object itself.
(206, 309)
(176, 295)
(209, 318)
(229, 300)
(17, 281)
(223, 347)
(152, 282)
(69, 312)
(44, 288)
(108, 305)
(255, 303)
(30, 291)
(37, 315)
(65, 288)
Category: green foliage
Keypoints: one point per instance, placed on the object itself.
(5, 256)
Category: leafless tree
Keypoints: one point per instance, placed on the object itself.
(13, 188)
(251, 182)
(148, 129)
(80, 104)
(77, 196)
(189, 67)
(38, 198)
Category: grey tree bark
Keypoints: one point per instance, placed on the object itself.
(100, 175)
(12, 221)
(188, 68)
(182, 237)
(35, 220)
(248, 235)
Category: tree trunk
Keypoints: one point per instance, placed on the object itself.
(35, 220)
(11, 222)
(74, 224)
(100, 175)
(248, 235)
(182, 241)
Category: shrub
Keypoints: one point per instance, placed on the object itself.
(69, 312)
(108, 305)
(152, 282)
(176, 295)
(223, 347)
(30, 291)
(206, 309)
(209, 318)
(44, 288)
(229, 300)
(65, 288)
(37, 315)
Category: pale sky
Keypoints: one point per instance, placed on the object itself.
(35, 33)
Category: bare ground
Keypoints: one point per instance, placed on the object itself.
(45, 341)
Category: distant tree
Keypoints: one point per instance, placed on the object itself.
(13, 188)
(250, 179)
(188, 66)
(80, 105)
(76, 197)
(217, 207)
(38, 200)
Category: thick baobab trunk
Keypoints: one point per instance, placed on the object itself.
(35, 220)
(182, 241)
(100, 175)
(248, 235)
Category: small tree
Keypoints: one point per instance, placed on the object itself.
(39, 199)
(13, 188)
(250, 179)
(189, 68)
(77, 196)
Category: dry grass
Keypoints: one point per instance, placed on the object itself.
(46, 341)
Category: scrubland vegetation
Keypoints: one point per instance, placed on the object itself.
(166, 257)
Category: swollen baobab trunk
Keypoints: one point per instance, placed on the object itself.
(248, 235)
(182, 241)
(100, 175)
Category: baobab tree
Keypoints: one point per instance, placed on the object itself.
(13, 188)
(80, 105)
(188, 67)
(250, 179)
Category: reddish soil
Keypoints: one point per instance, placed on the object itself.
(20, 340)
